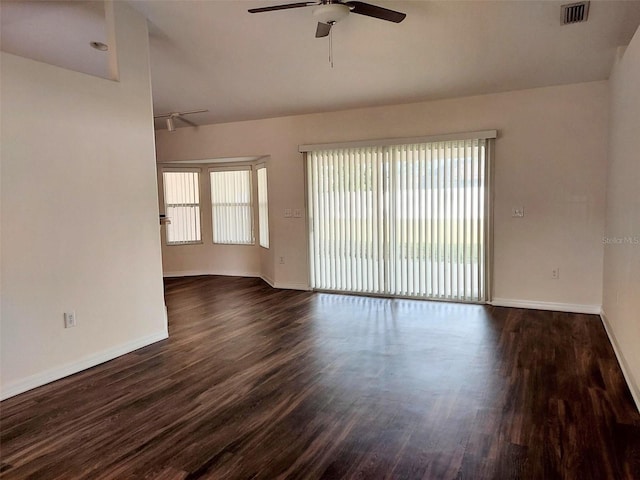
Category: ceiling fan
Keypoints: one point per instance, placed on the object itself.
(329, 12)
(172, 116)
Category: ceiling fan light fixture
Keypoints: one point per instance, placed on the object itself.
(171, 117)
(331, 13)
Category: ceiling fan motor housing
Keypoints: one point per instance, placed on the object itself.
(331, 13)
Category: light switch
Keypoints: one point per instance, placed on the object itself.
(517, 212)
(297, 213)
(287, 212)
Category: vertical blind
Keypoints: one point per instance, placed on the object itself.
(231, 208)
(182, 206)
(263, 207)
(406, 220)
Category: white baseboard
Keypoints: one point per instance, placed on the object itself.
(268, 280)
(556, 307)
(286, 286)
(292, 286)
(631, 383)
(197, 273)
(89, 361)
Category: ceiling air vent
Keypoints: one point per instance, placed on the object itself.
(574, 12)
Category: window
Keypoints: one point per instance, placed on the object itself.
(406, 220)
(231, 207)
(182, 206)
(263, 207)
(228, 189)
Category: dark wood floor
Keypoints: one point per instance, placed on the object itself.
(262, 383)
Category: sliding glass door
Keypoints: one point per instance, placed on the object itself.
(406, 220)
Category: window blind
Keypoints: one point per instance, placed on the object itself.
(231, 208)
(407, 220)
(182, 206)
(263, 207)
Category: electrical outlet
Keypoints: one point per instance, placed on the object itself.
(297, 213)
(517, 212)
(555, 273)
(281, 260)
(287, 212)
(69, 319)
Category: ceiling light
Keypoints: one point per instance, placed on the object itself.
(170, 126)
(331, 13)
(103, 47)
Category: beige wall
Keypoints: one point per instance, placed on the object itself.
(621, 298)
(549, 158)
(79, 214)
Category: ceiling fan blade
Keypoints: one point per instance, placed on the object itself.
(173, 114)
(322, 30)
(376, 12)
(188, 122)
(282, 7)
(189, 112)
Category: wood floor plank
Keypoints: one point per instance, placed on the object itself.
(260, 383)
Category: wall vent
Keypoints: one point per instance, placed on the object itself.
(574, 13)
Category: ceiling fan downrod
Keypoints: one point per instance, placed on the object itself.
(331, 45)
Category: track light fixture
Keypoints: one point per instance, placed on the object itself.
(170, 126)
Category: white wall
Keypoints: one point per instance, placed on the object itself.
(621, 297)
(79, 214)
(550, 158)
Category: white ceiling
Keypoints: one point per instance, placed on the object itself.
(213, 54)
(216, 55)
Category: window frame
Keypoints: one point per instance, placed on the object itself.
(233, 168)
(175, 169)
(258, 168)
